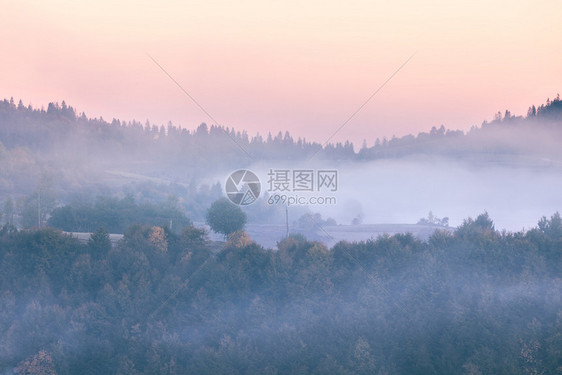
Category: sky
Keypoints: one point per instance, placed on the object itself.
(302, 66)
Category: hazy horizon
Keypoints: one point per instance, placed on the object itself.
(269, 67)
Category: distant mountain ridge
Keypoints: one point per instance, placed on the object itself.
(79, 151)
(58, 125)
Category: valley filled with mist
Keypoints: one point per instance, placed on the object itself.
(509, 167)
(438, 252)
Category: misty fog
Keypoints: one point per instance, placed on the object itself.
(166, 296)
(403, 191)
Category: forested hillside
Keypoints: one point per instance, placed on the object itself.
(476, 301)
(165, 299)
(58, 158)
(33, 139)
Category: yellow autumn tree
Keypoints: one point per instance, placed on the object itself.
(158, 239)
(239, 239)
(38, 364)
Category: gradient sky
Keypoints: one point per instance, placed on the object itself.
(302, 66)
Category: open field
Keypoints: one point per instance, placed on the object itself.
(269, 235)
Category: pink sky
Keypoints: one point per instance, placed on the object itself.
(270, 66)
